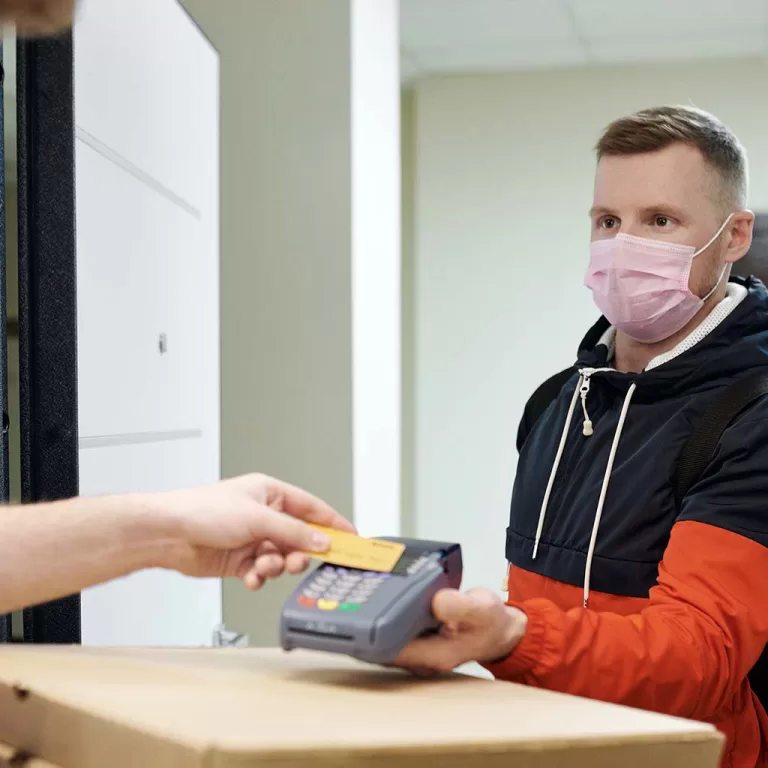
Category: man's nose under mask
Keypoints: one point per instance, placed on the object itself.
(641, 285)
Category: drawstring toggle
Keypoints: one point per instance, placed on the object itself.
(587, 429)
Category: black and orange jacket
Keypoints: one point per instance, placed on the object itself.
(630, 598)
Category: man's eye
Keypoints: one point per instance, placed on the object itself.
(608, 222)
(661, 221)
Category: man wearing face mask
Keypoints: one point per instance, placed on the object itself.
(616, 591)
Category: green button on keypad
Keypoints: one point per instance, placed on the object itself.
(350, 607)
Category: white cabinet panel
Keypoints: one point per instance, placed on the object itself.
(163, 465)
(146, 84)
(141, 271)
(154, 607)
(147, 154)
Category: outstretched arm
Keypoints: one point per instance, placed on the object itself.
(252, 528)
(51, 550)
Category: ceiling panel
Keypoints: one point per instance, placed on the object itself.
(508, 35)
(476, 23)
(751, 42)
(664, 18)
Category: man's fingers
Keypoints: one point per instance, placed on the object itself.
(424, 672)
(296, 562)
(288, 533)
(299, 503)
(435, 653)
(252, 580)
(266, 547)
(255, 573)
(269, 566)
(450, 606)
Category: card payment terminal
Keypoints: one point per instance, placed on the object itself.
(368, 615)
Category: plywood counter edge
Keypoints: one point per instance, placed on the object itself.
(34, 719)
(706, 738)
(709, 741)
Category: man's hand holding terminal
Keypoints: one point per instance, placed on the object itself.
(477, 626)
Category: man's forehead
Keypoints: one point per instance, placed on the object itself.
(677, 175)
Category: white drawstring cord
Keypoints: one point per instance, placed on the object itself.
(604, 490)
(561, 448)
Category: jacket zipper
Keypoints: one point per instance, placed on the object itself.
(567, 470)
(586, 376)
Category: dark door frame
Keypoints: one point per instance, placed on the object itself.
(47, 298)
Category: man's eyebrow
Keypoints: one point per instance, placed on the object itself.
(664, 208)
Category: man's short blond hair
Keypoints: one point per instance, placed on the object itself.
(654, 129)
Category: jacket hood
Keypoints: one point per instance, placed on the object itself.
(738, 343)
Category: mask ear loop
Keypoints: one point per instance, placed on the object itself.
(716, 285)
(725, 266)
(715, 236)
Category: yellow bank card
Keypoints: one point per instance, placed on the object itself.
(353, 551)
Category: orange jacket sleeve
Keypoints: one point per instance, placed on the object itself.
(686, 654)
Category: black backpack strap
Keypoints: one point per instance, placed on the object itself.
(699, 451)
(700, 447)
(539, 402)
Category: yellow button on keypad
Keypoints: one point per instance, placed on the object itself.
(327, 605)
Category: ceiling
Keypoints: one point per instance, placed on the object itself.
(458, 36)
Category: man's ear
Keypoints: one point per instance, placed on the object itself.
(739, 230)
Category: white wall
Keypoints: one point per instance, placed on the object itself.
(408, 373)
(503, 184)
(376, 256)
(310, 259)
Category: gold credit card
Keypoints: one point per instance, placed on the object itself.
(353, 551)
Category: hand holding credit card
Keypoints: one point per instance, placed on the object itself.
(351, 551)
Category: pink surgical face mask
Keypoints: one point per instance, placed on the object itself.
(641, 285)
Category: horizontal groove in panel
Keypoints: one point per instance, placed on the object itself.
(116, 158)
(139, 438)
